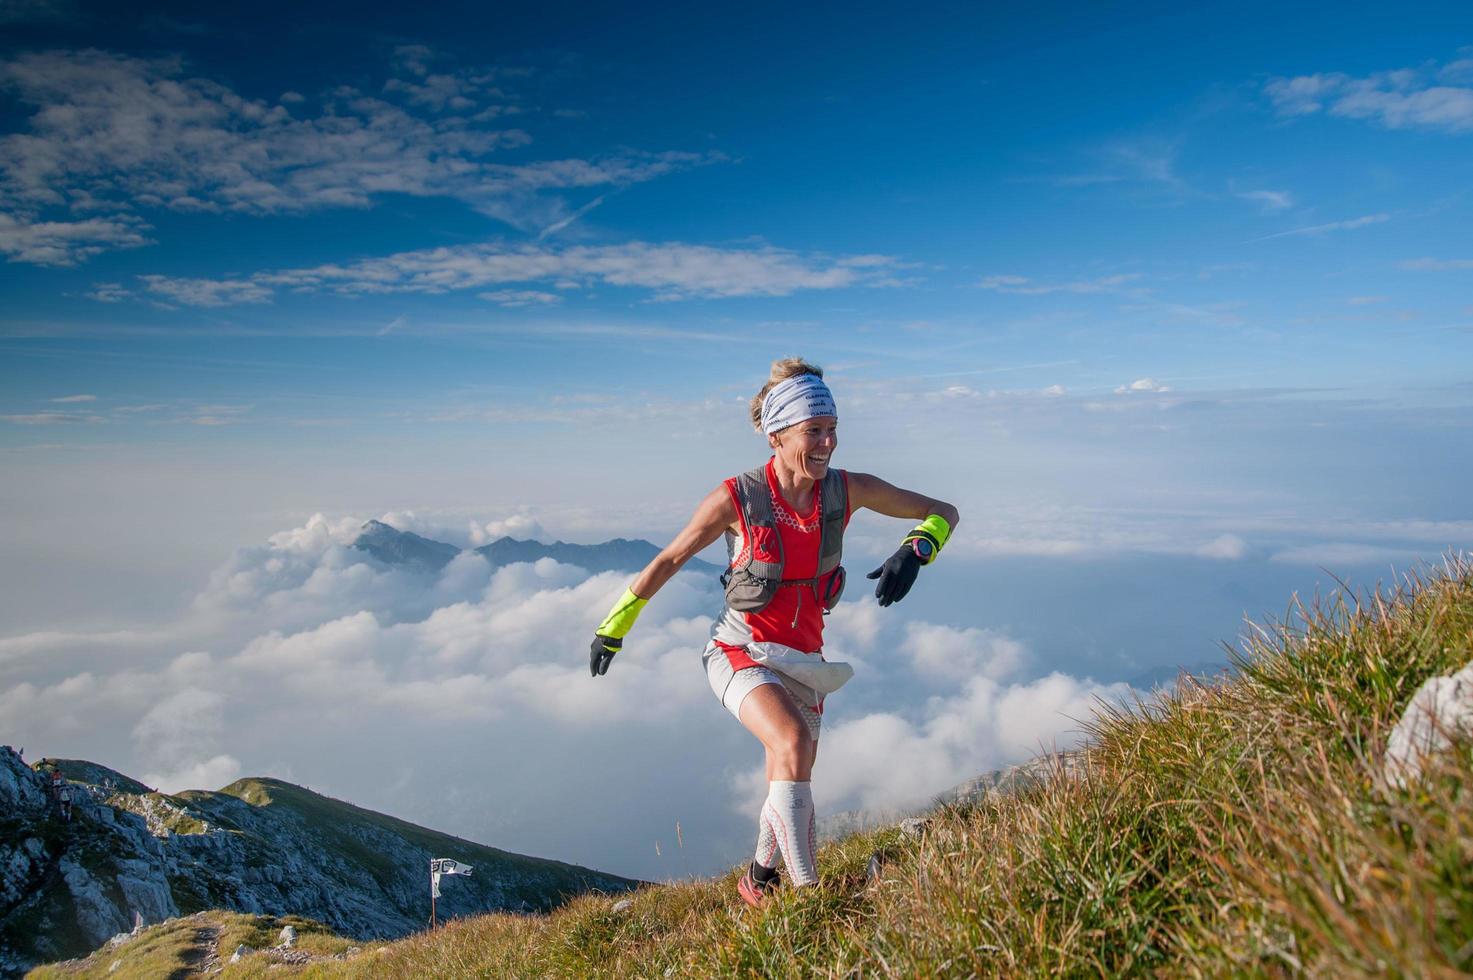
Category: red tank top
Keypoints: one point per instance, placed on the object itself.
(794, 618)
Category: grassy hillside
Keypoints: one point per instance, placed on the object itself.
(345, 830)
(1226, 830)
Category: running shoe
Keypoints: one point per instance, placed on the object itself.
(752, 893)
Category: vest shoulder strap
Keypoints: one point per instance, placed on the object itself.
(835, 490)
(756, 512)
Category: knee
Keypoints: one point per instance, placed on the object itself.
(793, 750)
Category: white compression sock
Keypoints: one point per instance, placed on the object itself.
(787, 824)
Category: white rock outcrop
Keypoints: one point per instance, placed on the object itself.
(1440, 711)
(98, 917)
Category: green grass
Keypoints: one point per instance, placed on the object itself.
(162, 951)
(1238, 829)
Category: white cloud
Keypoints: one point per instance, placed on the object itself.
(75, 398)
(179, 733)
(1142, 384)
(207, 292)
(1338, 554)
(1146, 161)
(1055, 391)
(51, 418)
(885, 760)
(959, 654)
(213, 773)
(673, 270)
(1457, 71)
(1348, 225)
(1439, 265)
(559, 225)
(521, 525)
(514, 298)
(64, 243)
(1228, 547)
(109, 292)
(1401, 99)
(1023, 286)
(115, 133)
(1269, 200)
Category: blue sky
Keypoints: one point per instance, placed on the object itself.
(1176, 303)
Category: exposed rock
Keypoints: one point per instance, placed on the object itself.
(97, 916)
(914, 826)
(146, 891)
(241, 952)
(1440, 711)
(623, 905)
(288, 937)
(19, 791)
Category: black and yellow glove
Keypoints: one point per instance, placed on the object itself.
(608, 639)
(601, 653)
(920, 547)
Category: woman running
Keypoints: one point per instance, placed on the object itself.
(784, 523)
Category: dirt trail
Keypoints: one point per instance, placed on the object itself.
(203, 957)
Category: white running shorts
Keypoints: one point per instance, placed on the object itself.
(732, 684)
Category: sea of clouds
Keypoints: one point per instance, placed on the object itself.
(461, 699)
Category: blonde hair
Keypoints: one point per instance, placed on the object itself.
(782, 369)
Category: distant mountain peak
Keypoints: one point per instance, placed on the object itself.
(392, 546)
(616, 555)
(395, 547)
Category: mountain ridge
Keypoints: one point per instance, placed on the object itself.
(392, 546)
(259, 845)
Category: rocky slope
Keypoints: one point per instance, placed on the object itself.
(258, 845)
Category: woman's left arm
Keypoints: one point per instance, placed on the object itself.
(921, 545)
(886, 498)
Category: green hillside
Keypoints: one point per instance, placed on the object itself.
(258, 846)
(349, 832)
(1236, 829)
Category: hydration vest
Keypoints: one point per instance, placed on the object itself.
(751, 585)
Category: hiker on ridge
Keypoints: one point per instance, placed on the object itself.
(784, 525)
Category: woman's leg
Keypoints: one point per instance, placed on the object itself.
(769, 713)
(787, 822)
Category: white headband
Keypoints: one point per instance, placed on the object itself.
(798, 399)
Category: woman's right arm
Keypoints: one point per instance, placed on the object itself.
(714, 515)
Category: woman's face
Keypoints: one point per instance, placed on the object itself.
(807, 447)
